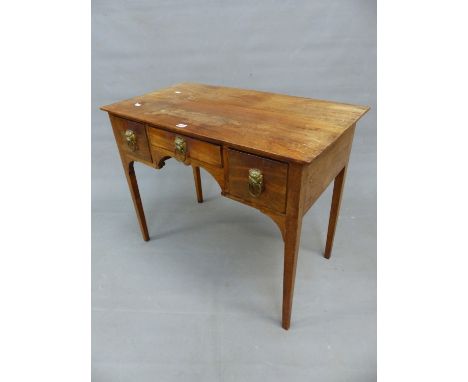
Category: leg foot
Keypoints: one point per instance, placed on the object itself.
(291, 249)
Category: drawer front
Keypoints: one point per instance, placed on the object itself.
(266, 187)
(186, 148)
(132, 137)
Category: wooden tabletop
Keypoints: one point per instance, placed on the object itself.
(280, 126)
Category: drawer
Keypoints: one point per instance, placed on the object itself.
(131, 137)
(185, 148)
(265, 187)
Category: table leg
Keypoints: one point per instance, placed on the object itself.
(133, 186)
(292, 237)
(291, 249)
(198, 186)
(334, 211)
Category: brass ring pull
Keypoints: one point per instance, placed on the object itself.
(255, 182)
(131, 140)
(180, 148)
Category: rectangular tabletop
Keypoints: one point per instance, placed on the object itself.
(284, 127)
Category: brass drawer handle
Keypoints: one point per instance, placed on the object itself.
(255, 182)
(180, 148)
(130, 137)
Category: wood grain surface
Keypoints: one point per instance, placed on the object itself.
(279, 126)
(196, 149)
(275, 177)
(142, 150)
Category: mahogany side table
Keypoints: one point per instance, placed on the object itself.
(273, 152)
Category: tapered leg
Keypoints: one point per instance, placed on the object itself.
(291, 249)
(292, 237)
(198, 186)
(334, 211)
(133, 186)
